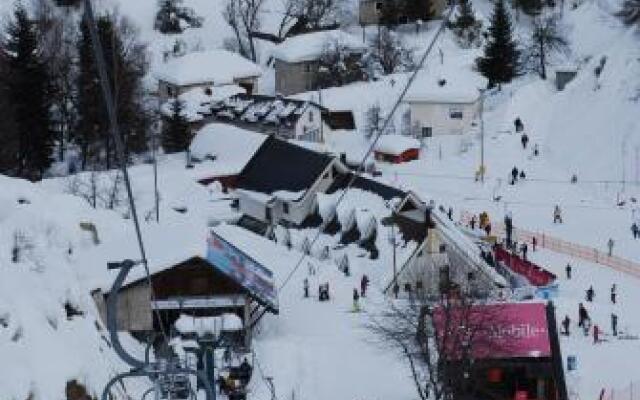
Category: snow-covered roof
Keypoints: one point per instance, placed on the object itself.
(231, 146)
(309, 47)
(196, 102)
(219, 67)
(459, 86)
(396, 144)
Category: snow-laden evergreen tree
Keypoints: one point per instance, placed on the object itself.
(630, 12)
(546, 38)
(501, 58)
(28, 92)
(466, 27)
(167, 20)
(387, 54)
(176, 135)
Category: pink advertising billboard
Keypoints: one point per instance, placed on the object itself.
(494, 331)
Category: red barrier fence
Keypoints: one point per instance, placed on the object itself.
(536, 275)
(564, 247)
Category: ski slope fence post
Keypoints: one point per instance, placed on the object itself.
(561, 246)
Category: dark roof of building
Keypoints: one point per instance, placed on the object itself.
(279, 165)
(385, 191)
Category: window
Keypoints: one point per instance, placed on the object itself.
(268, 214)
(170, 91)
(285, 208)
(455, 113)
(427, 131)
(378, 6)
(307, 67)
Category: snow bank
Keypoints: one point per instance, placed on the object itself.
(310, 46)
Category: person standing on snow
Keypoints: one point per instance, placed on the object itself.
(524, 140)
(514, 175)
(635, 230)
(305, 284)
(356, 297)
(508, 227)
(518, 125)
(522, 175)
(557, 214)
(613, 293)
(583, 316)
(396, 290)
(614, 324)
(472, 223)
(450, 213)
(596, 334)
(523, 249)
(568, 269)
(565, 325)
(536, 150)
(364, 283)
(534, 243)
(610, 246)
(590, 293)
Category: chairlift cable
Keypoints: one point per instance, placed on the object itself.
(371, 148)
(117, 138)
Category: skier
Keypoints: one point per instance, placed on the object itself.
(514, 175)
(356, 297)
(306, 287)
(590, 294)
(518, 125)
(613, 293)
(568, 269)
(614, 324)
(565, 325)
(524, 140)
(610, 246)
(364, 282)
(534, 243)
(596, 334)
(472, 223)
(523, 249)
(557, 214)
(635, 230)
(583, 316)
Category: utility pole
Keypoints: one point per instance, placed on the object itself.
(482, 169)
(155, 175)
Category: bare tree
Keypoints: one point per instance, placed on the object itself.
(339, 65)
(244, 18)
(299, 16)
(546, 38)
(439, 336)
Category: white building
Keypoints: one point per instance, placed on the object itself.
(206, 70)
(445, 105)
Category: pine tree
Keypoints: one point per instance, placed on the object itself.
(466, 16)
(176, 135)
(501, 57)
(28, 94)
(167, 20)
(125, 68)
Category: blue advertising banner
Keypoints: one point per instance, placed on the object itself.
(243, 269)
